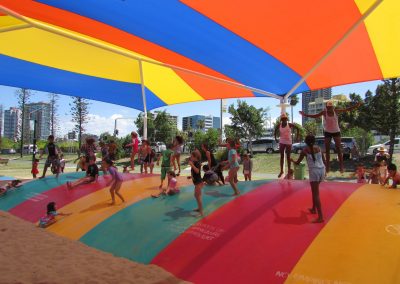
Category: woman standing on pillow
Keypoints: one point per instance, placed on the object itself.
(331, 129)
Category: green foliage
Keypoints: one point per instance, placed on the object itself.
(67, 146)
(302, 132)
(23, 96)
(150, 125)
(247, 121)
(80, 116)
(351, 118)
(210, 138)
(165, 130)
(310, 127)
(363, 137)
(105, 137)
(7, 143)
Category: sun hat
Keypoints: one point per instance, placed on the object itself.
(381, 149)
(329, 103)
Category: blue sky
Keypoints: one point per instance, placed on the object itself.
(103, 114)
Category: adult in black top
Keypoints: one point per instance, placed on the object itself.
(212, 162)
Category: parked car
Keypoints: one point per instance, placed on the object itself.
(8, 151)
(264, 144)
(348, 144)
(374, 148)
(319, 141)
(158, 146)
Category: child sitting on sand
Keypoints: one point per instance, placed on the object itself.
(92, 173)
(49, 218)
(394, 175)
(172, 187)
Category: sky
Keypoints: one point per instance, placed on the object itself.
(103, 115)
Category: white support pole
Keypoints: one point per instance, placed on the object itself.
(144, 100)
(335, 46)
(124, 52)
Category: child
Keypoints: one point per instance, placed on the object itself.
(135, 148)
(81, 165)
(52, 159)
(166, 163)
(172, 187)
(360, 173)
(247, 167)
(374, 175)
(116, 181)
(316, 168)
(10, 185)
(233, 166)
(212, 162)
(394, 175)
(151, 160)
(144, 156)
(195, 166)
(35, 170)
(89, 150)
(92, 173)
(210, 177)
(112, 150)
(62, 163)
(285, 140)
(383, 171)
(177, 147)
(49, 219)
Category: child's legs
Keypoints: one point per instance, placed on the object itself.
(164, 171)
(178, 160)
(117, 187)
(197, 195)
(328, 140)
(133, 154)
(338, 146)
(316, 199)
(221, 176)
(282, 148)
(173, 161)
(288, 152)
(112, 195)
(80, 181)
(232, 179)
(151, 167)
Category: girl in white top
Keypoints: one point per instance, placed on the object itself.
(332, 129)
(316, 168)
(285, 140)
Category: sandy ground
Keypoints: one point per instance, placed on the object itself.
(32, 255)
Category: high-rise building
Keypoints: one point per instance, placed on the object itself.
(12, 123)
(41, 113)
(1, 120)
(201, 122)
(314, 102)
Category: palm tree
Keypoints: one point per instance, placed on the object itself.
(200, 124)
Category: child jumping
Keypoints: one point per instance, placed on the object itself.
(195, 165)
(178, 148)
(116, 181)
(285, 140)
(316, 168)
(166, 163)
(92, 173)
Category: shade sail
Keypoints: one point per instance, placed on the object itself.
(265, 44)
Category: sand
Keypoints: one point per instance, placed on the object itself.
(32, 255)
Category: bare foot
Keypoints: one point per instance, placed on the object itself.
(196, 210)
(318, 220)
(312, 210)
(112, 203)
(160, 187)
(280, 174)
(236, 193)
(41, 177)
(155, 195)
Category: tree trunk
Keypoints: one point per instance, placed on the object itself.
(21, 146)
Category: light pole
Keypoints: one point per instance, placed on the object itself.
(115, 124)
(34, 132)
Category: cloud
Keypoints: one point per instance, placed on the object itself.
(98, 124)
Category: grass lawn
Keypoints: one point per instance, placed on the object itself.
(264, 165)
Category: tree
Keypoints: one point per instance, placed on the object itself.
(350, 119)
(200, 124)
(165, 130)
(23, 96)
(385, 110)
(363, 137)
(80, 115)
(53, 113)
(310, 127)
(105, 137)
(139, 122)
(247, 121)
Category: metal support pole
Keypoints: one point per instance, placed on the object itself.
(335, 46)
(34, 140)
(115, 127)
(144, 100)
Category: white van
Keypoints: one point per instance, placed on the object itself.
(374, 148)
(28, 149)
(265, 145)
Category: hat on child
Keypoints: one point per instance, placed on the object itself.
(329, 103)
(382, 149)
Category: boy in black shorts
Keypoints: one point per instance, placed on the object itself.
(52, 159)
(92, 173)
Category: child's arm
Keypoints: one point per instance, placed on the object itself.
(196, 170)
(301, 157)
